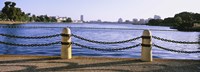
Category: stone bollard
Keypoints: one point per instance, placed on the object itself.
(66, 50)
(146, 54)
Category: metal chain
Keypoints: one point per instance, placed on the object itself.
(28, 27)
(173, 41)
(106, 49)
(30, 45)
(172, 50)
(28, 37)
(101, 42)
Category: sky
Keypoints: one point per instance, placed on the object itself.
(107, 10)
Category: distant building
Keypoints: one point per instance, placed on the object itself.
(120, 20)
(77, 21)
(142, 21)
(82, 18)
(127, 21)
(95, 21)
(135, 20)
(157, 17)
(99, 20)
(196, 25)
(61, 19)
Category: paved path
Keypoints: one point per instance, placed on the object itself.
(93, 64)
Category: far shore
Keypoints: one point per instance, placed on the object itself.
(12, 22)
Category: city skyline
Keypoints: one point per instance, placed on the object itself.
(107, 10)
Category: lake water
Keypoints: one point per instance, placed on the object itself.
(117, 33)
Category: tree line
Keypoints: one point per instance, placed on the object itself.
(183, 20)
(11, 13)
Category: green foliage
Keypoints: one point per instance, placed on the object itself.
(155, 22)
(11, 13)
(69, 20)
(181, 21)
(186, 16)
(43, 18)
(7, 3)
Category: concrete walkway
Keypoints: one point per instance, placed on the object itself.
(93, 64)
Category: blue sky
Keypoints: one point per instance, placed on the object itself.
(107, 10)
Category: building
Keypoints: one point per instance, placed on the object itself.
(82, 18)
(99, 20)
(120, 20)
(196, 25)
(127, 21)
(142, 21)
(61, 19)
(135, 21)
(77, 21)
(157, 17)
(95, 21)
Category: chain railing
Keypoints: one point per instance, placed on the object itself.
(172, 50)
(101, 42)
(35, 37)
(28, 27)
(30, 37)
(173, 41)
(30, 45)
(66, 43)
(106, 49)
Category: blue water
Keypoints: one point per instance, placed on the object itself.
(123, 32)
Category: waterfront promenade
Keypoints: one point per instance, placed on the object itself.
(14, 63)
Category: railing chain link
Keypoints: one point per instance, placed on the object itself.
(30, 45)
(29, 37)
(172, 50)
(106, 49)
(173, 41)
(101, 42)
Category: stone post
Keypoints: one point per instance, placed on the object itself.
(146, 54)
(66, 50)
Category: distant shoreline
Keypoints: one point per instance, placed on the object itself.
(12, 22)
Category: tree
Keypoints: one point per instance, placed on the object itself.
(178, 21)
(53, 19)
(34, 17)
(10, 12)
(169, 21)
(47, 19)
(185, 16)
(7, 3)
(155, 22)
(5, 10)
(69, 20)
(18, 14)
(13, 4)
